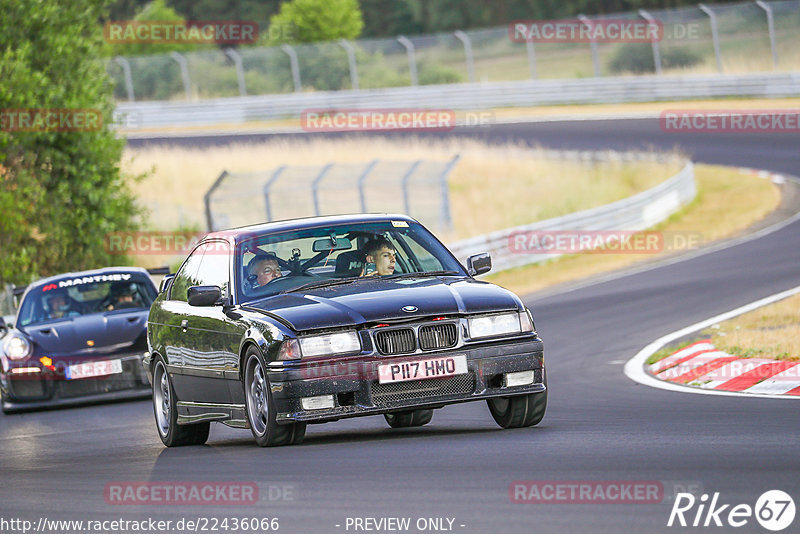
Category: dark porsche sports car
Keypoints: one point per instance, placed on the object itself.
(77, 337)
(304, 321)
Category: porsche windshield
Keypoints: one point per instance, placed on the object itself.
(83, 295)
(275, 263)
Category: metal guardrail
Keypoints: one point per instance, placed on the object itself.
(134, 116)
(638, 212)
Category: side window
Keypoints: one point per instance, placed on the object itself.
(186, 276)
(213, 269)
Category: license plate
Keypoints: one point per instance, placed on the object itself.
(92, 369)
(422, 369)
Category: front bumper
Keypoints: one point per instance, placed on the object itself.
(50, 389)
(356, 390)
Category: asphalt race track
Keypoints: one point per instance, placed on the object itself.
(599, 424)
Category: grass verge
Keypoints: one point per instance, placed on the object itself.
(727, 202)
(769, 332)
(491, 187)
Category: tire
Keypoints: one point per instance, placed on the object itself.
(166, 413)
(519, 411)
(408, 419)
(260, 408)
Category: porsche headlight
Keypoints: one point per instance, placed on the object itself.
(499, 325)
(329, 344)
(17, 347)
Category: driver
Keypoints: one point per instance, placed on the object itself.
(59, 305)
(380, 252)
(263, 269)
(121, 296)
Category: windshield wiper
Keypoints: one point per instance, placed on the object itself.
(321, 283)
(423, 273)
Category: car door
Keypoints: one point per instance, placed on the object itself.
(210, 355)
(173, 319)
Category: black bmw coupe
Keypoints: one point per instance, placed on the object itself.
(274, 326)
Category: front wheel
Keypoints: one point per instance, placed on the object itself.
(408, 419)
(164, 407)
(518, 411)
(260, 407)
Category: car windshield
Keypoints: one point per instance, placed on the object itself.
(72, 297)
(274, 263)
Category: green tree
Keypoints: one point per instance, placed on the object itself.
(311, 21)
(158, 11)
(61, 193)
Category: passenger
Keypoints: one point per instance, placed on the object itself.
(382, 254)
(262, 270)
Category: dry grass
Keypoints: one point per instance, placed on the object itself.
(769, 332)
(491, 188)
(727, 202)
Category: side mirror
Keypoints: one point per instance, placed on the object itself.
(165, 282)
(3, 326)
(204, 295)
(479, 264)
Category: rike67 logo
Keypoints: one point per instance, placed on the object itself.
(774, 510)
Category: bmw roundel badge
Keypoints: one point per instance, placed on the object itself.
(409, 309)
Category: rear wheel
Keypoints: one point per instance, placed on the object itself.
(408, 419)
(260, 407)
(164, 407)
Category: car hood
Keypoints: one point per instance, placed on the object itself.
(376, 300)
(108, 331)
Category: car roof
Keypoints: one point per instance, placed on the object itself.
(246, 232)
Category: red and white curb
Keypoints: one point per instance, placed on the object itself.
(767, 175)
(706, 368)
(701, 365)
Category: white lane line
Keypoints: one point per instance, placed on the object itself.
(635, 368)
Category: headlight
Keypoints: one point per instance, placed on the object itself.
(17, 347)
(338, 343)
(499, 325)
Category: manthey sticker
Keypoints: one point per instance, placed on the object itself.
(69, 282)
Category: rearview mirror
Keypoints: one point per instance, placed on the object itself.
(342, 243)
(204, 295)
(479, 264)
